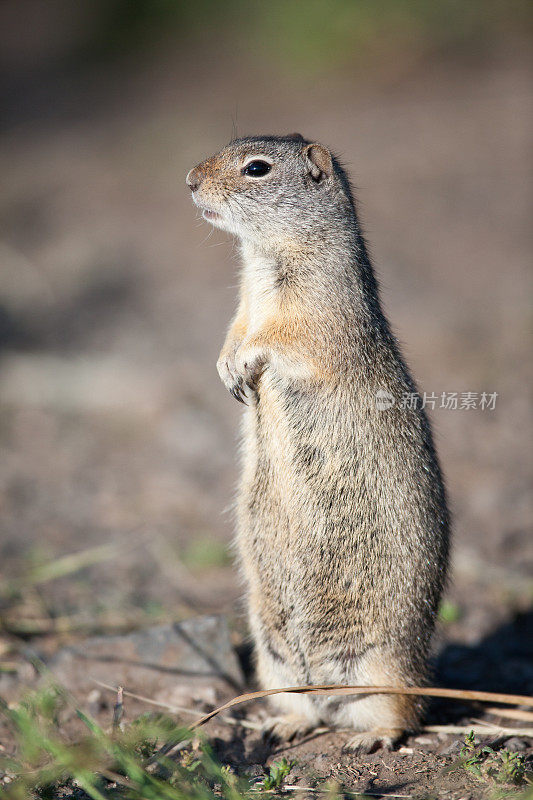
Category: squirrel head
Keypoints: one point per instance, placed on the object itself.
(265, 188)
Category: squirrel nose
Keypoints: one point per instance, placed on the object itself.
(193, 179)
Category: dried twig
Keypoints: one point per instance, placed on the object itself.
(459, 694)
(244, 723)
(337, 690)
(10, 667)
(510, 713)
(118, 709)
(174, 709)
(114, 778)
(78, 623)
(481, 729)
(345, 792)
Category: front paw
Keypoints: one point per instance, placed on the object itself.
(240, 368)
(229, 376)
(250, 363)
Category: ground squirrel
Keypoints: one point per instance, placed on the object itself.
(342, 524)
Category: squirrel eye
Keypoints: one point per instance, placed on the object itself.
(256, 169)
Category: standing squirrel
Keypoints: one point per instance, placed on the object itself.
(342, 523)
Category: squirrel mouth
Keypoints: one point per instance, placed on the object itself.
(210, 215)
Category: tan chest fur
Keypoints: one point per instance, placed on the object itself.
(258, 287)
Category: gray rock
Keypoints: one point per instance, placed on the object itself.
(515, 744)
(254, 770)
(184, 659)
(452, 749)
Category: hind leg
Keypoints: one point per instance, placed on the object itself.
(296, 714)
(380, 720)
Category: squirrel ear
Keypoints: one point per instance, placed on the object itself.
(319, 162)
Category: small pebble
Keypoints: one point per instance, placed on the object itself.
(515, 744)
(452, 749)
(95, 702)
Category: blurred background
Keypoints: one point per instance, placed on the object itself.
(119, 443)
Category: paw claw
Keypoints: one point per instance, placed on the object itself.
(249, 365)
(239, 376)
(236, 392)
(369, 741)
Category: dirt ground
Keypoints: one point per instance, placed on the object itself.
(115, 429)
